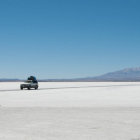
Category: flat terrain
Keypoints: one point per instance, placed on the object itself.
(70, 111)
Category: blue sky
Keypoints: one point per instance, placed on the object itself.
(68, 39)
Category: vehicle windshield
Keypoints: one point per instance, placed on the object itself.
(28, 81)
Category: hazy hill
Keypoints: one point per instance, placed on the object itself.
(129, 74)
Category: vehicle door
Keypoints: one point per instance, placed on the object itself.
(33, 84)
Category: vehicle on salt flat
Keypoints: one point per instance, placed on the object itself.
(31, 82)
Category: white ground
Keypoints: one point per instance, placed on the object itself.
(70, 111)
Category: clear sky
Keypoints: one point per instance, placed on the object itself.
(68, 38)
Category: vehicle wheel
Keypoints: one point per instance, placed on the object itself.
(28, 88)
(21, 88)
(36, 88)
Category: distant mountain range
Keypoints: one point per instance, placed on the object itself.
(129, 74)
(9, 80)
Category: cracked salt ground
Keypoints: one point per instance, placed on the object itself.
(81, 111)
